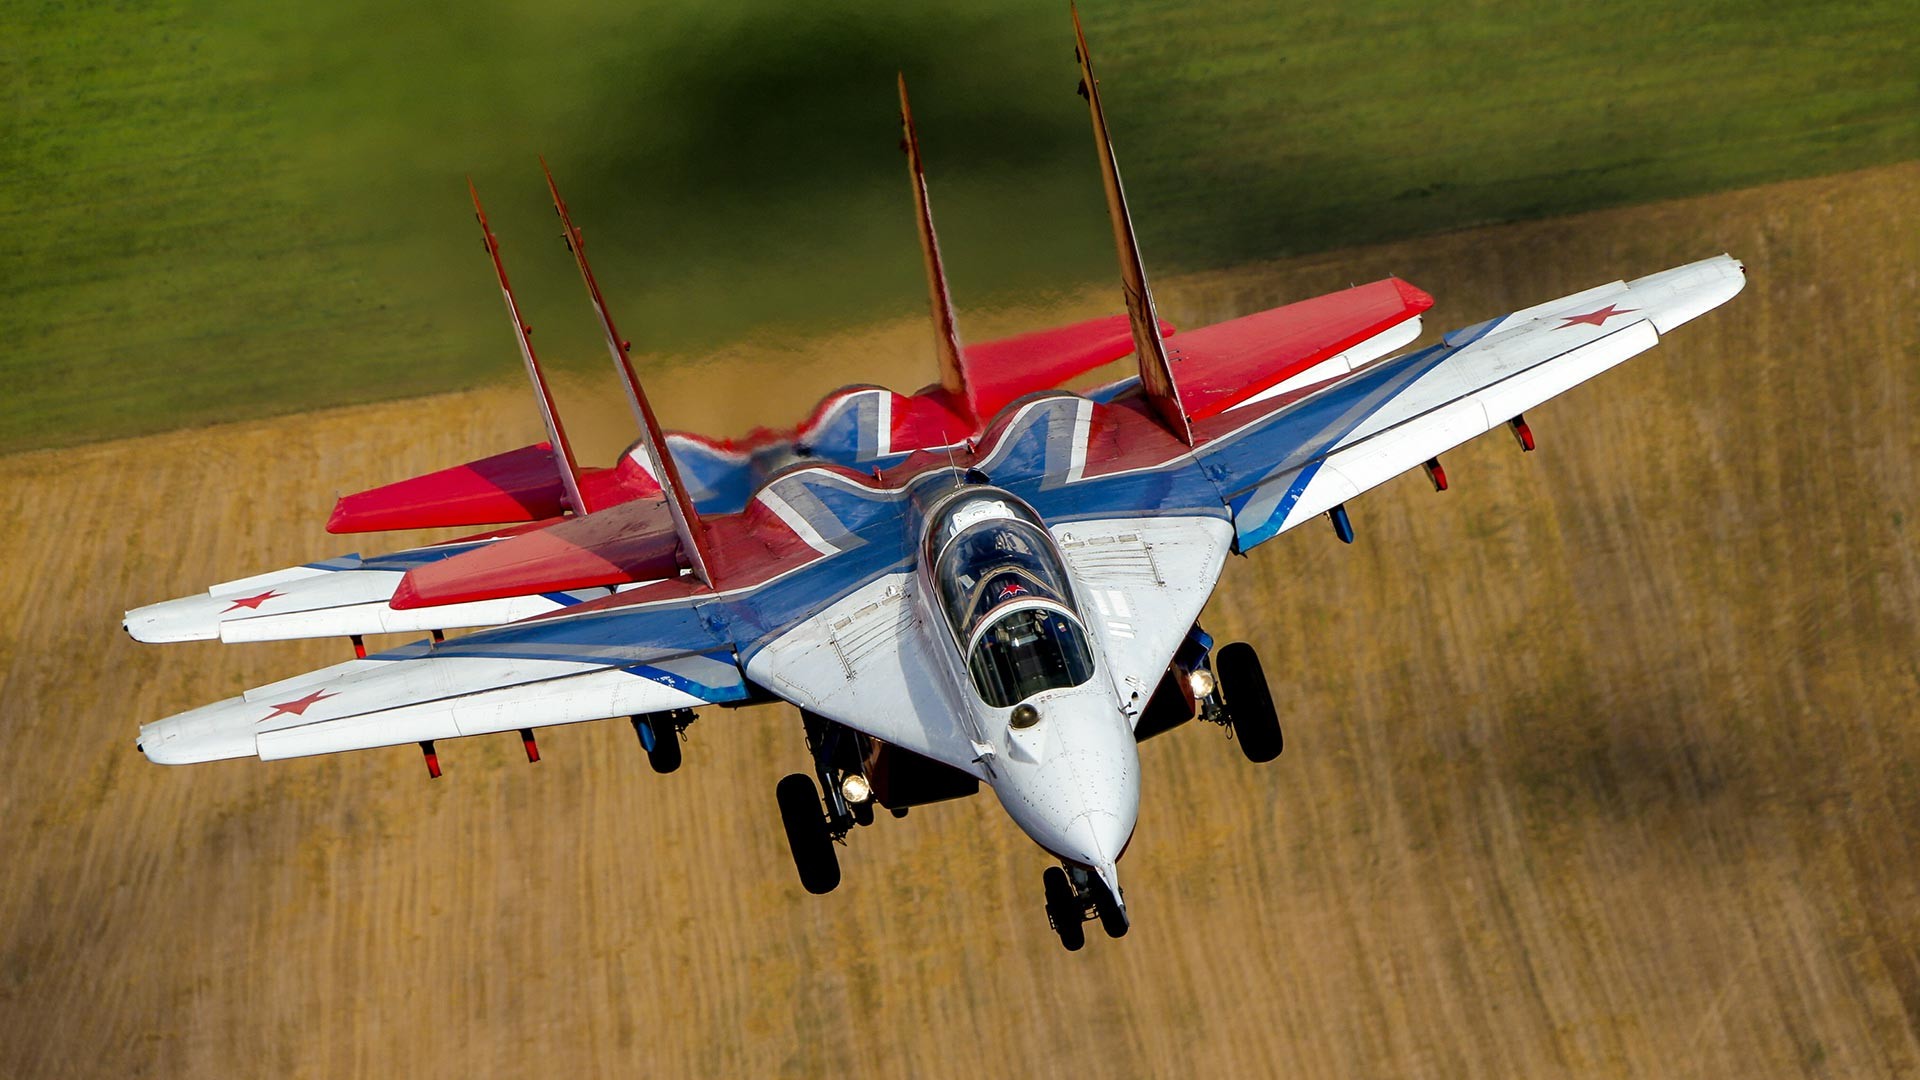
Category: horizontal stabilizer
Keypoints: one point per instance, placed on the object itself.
(338, 597)
(1220, 366)
(519, 485)
(633, 541)
(998, 372)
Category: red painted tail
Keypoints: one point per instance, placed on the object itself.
(946, 336)
(557, 435)
(686, 520)
(1156, 371)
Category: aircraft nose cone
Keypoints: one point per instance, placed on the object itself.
(1095, 838)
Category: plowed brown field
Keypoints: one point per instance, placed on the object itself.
(1606, 762)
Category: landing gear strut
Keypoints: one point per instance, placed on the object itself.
(816, 818)
(1075, 895)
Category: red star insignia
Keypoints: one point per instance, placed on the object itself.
(1594, 318)
(253, 602)
(298, 706)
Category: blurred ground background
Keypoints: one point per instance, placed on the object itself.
(212, 211)
(1602, 763)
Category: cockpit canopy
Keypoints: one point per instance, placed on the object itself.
(1007, 596)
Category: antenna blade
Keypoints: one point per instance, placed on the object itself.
(556, 434)
(1156, 370)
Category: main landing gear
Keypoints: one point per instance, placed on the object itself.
(815, 823)
(1075, 896)
(809, 835)
(1242, 701)
(1223, 686)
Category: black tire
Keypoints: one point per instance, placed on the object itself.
(807, 838)
(1112, 919)
(1249, 703)
(665, 755)
(1063, 911)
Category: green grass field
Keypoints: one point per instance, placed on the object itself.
(209, 214)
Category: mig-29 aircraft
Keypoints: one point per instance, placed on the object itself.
(1018, 612)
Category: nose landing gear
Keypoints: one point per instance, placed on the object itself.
(1076, 896)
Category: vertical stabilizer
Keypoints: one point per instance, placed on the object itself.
(953, 376)
(1156, 371)
(562, 450)
(686, 520)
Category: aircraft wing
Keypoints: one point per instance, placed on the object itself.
(589, 667)
(1320, 445)
(336, 597)
(813, 539)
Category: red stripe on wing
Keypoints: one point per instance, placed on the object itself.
(634, 541)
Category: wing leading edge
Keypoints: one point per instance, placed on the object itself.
(1322, 445)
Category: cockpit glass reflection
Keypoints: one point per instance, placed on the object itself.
(1027, 651)
(1008, 598)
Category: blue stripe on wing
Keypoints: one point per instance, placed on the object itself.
(711, 677)
(398, 561)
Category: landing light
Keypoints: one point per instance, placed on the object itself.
(1200, 681)
(855, 789)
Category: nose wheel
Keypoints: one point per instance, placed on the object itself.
(1075, 897)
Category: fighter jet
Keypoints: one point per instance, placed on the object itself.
(1017, 613)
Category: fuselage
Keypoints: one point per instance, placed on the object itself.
(1055, 739)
